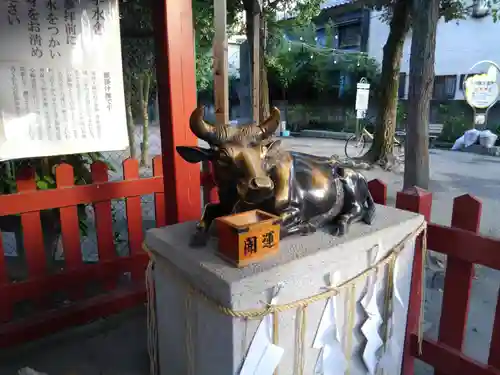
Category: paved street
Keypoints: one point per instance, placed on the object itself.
(121, 347)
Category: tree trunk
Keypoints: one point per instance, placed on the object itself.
(144, 85)
(157, 108)
(264, 86)
(423, 47)
(130, 117)
(382, 145)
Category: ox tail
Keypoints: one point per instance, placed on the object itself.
(369, 213)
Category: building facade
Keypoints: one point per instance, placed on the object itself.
(459, 45)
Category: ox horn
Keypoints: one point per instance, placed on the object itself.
(269, 126)
(199, 127)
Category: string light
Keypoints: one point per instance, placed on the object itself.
(338, 55)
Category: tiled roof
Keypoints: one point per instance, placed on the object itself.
(333, 3)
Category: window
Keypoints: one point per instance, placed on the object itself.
(402, 85)
(444, 87)
(349, 35)
(321, 37)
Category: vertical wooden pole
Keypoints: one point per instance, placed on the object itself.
(175, 62)
(458, 278)
(256, 67)
(416, 200)
(221, 77)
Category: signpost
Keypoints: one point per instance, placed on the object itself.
(362, 98)
(62, 77)
(482, 91)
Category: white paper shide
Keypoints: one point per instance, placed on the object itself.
(62, 74)
(331, 360)
(263, 356)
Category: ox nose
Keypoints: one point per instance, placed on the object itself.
(261, 183)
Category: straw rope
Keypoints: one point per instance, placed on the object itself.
(151, 320)
(259, 313)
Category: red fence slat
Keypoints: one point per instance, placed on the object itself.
(210, 193)
(32, 228)
(69, 279)
(447, 360)
(32, 201)
(134, 215)
(159, 197)
(104, 222)
(415, 200)
(5, 300)
(70, 228)
(494, 355)
(458, 278)
(378, 191)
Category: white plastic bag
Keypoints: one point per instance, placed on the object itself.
(487, 138)
(459, 143)
(470, 137)
(29, 371)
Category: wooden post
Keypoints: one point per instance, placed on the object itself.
(416, 200)
(256, 67)
(174, 41)
(221, 78)
(458, 278)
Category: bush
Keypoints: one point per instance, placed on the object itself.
(455, 119)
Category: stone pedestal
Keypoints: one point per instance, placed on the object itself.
(218, 342)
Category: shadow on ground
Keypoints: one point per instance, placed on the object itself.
(112, 346)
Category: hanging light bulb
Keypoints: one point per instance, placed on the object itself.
(336, 36)
(301, 38)
(335, 61)
(312, 57)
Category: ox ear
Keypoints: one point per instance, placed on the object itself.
(194, 154)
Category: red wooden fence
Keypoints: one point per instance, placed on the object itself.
(460, 242)
(464, 247)
(42, 283)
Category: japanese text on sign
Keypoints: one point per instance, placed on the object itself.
(62, 64)
(252, 244)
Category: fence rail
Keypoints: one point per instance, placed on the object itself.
(119, 279)
(464, 247)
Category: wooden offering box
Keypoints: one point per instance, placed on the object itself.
(248, 237)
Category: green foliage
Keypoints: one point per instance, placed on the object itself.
(45, 175)
(302, 67)
(401, 115)
(456, 117)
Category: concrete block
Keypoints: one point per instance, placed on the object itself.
(482, 150)
(303, 265)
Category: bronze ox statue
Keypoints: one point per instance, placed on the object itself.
(252, 171)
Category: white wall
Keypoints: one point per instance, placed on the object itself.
(459, 44)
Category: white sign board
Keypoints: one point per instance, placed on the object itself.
(62, 78)
(481, 90)
(362, 96)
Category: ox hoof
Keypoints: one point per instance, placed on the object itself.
(307, 229)
(340, 229)
(369, 216)
(199, 239)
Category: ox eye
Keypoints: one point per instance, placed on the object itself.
(224, 160)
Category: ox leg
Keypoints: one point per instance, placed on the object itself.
(211, 212)
(291, 223)
(342, 222)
